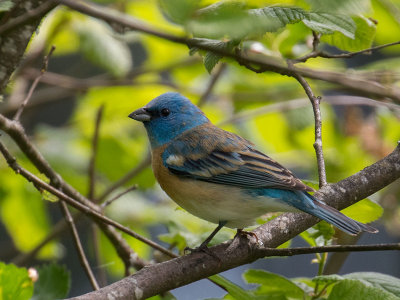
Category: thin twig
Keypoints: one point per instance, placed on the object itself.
(108, 202)
(211, 84)
(326, 249)
(315, 101)
(128, 176)
(40, 184)
(78, 245)
(319, 53)
(34, 84)
(92, 162)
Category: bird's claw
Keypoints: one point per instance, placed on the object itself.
(241, 232)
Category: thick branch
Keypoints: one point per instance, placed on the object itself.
(165, 276)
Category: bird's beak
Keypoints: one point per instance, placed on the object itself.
(141, 115)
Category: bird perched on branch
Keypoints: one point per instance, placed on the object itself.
(219, 176)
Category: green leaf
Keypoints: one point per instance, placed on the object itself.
(364, 36)
(281, 15)
(273, 285)
(362, 285)
(46, 195)
(99, 46)
(385, 282)
(364, 211)
(211, 59)
(354, 289)
(318, 235)
(178, 11)
(6, 5)
(234, 290)
(15, 283)
(223, 19)
(326, 23)
(53, 283)
(231, 19)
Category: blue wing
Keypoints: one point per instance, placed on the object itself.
(211, 154)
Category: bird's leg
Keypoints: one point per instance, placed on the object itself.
(203, 246)
(241, 232)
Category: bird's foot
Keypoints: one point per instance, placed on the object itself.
(241, 232)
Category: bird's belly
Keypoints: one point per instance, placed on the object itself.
(217, 202)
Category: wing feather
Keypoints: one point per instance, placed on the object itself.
(232, 162)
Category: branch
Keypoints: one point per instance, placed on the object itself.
(34, 84)
(177, 272)
(263, 63)
(92, 162)
(318, 53)
(81, 253)
(268, 252)
(14, 40)
(315, 101)
(89, 211)
(211, 84)
(128, 176)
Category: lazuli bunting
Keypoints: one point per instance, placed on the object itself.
(219, 176)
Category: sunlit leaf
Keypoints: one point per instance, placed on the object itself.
(15, 283)
(364, 211)
(363, 38)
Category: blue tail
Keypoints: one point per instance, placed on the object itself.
(329, 214)
(305, 202)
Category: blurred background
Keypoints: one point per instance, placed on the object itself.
(104, 72)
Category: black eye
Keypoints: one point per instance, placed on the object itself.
(165, 112)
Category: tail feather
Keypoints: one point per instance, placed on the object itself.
(336, 218)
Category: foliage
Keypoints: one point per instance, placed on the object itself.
(124, 70)
(363, 285)
(14, 283)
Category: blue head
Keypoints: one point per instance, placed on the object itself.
(167, 116)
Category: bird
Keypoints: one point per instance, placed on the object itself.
(221, 177)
